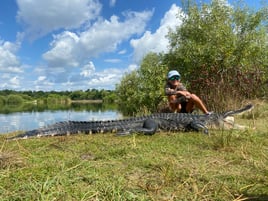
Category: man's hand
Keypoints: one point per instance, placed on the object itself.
(187, 94)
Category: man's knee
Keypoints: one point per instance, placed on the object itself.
(172, 98)
(175, 107)
(195, 98)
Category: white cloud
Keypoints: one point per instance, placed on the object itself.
(112, 60)
(122, 51)
(62, 53)
(71, 49)
(8, 60)
(105, 36)
(88, 70)
(156, 42)
(133, 67)
(15, 81)
(41, 78)
(112, 3)
(42, 83)
(84, 78)
(106, 78)
(42, 17)
(5, 76)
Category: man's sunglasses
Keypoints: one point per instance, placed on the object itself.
(174, 78)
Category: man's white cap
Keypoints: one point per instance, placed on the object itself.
(173, 73)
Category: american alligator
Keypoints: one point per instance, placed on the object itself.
(147, 125)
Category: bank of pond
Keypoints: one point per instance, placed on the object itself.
(29, 116)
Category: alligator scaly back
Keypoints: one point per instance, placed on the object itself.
(147, 125)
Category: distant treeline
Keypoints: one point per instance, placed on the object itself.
(17, 97)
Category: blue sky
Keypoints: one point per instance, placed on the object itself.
(80, 44)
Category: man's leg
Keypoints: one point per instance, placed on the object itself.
(196, 101)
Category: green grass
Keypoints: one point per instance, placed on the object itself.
(226, 165)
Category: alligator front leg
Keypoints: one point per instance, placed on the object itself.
(198, 126)
(149, 127)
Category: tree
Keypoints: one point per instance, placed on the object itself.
(2, 100)
(77, 95)
(141, 91)
(127, 93)
(13, 99)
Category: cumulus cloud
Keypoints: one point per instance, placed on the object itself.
(15, 81)
(104, 78)
(112, 3)
(112, 60)
(133, 67)
(43, 83)
(78, 78)
(88, 70)
(42, 17)
(106, 35)
(9, 62)
(122, 51)
(62, 53)
(41, 78)
(156, 42)
(11, 82)
(69, 48)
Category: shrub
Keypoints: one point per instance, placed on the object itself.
(13, 99)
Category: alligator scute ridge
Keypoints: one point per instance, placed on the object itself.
(148, 124)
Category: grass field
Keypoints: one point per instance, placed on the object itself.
(225, 165)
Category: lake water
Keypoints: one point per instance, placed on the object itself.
(28, 120)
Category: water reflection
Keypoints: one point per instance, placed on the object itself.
(40, 117)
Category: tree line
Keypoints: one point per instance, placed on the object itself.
(17, 97)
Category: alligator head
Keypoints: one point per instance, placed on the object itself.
(226, 120)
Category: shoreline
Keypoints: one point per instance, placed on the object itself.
(87, 101)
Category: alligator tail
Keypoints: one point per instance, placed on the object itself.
(239, 111)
